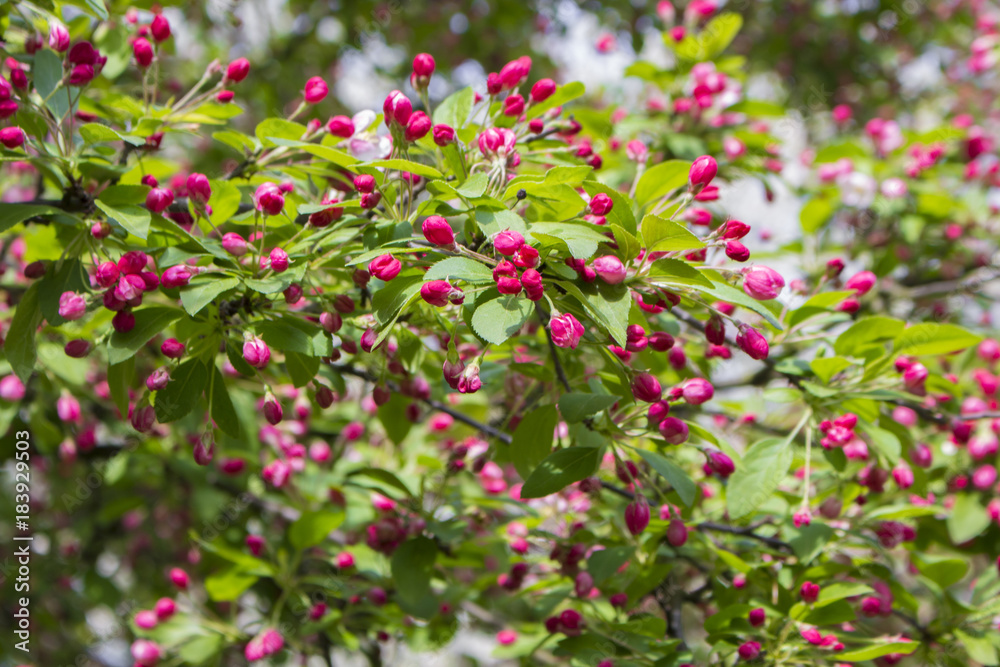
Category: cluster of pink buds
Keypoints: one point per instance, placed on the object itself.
(914, 375)
(126, 281)
(569, 622)
(267, 643)
(816, 638)
(497, 144)
(838, 432)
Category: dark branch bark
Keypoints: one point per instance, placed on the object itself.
(773, 542)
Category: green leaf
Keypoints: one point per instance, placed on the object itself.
(885, 442)
(606, 562)
(815, 214)
(454, 110)
(196, 296)
(119, 380)
(301, 368)
(660, 234)
(614, 302)
(494, 222)
(223, 413)
(389, 414)
(182, 393)
(866, 332)
(968, 519)
(12, 214)
(474, 186)
(281, 336)
(312, 528)
(278, 128)
(497, 320)
(979, 646)
(229, 585)
(95, 133)
(460, 268)
(560, 469)
(70, 277)
(148, 322)
(123, 195)
(678, 272)
(729, 294)
(563, 94)
(225, 201)
(384, 476)
(659, 180)
(942, 570)
(680, 480)
(412, 567)
(926, 339)
(20, 345)
(417, 168)
(877, 651)
(840, 590)
(826, 367)
(575, 407)
(628, 244)
(765, 464)
(757, 108)
(48, 74)
(532, 439)
(134, 219)
(390, 299)
(580, 239)
(199, 650)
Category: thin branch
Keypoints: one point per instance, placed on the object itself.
(773, 542)
(505, 438)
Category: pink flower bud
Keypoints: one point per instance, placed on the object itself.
(514, 73)
(159, 199)
(272, 409)
(531, 280)
(861, 282)
(266, 643)
(177, 276)
(508, 285)
(749, 650)
(158, 379)
(417, 126)
(12, 137)
(677, 533)
(757, 617)
(721, 464)
(160, 28)
(179, 578)
(385, 267)
(279, 260)
(237, 70)
(78, 348)
(513, 106)
(637, 516)
(72, 306)
(601, 204)
(436, 292)
(921, 455)
(146, 653)
(508, 242)
(437, 230)
(506, 637)
(423, 64)
(107, 274)
(566, 331)
(646, 388)
(256, 352)
(673, 430)
(762, 283)
(443, 135)
(752, 342)
(583, 584)
(542, 90)
(397, 109)
(123, 321)
(340, 126)
(199, 190)
(58, 37)
(315, 90)
(737, 252)
(234, 244)
(269, 199)
(143, 52)
(809, 592)
(703, 170)
(697, 391)
(610, 269)
(165, 608)
(81, 75)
